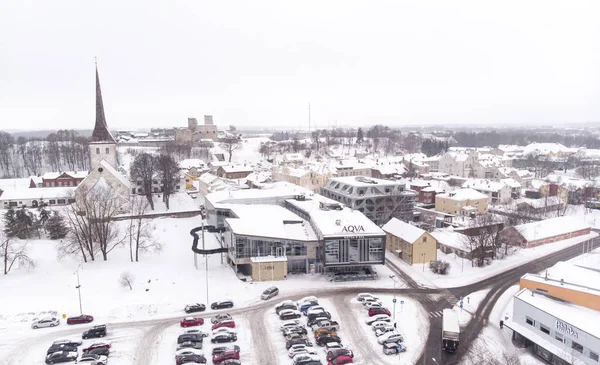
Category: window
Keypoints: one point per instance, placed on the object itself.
(545, 329)
(559, 337)
(530, 321)
(594, 356)
(107, 150)
(577, 347)
(424, 239)
(61, 201)
(97, 150)
(52, 201)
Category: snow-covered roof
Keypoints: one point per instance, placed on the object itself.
(578, 316)
(119, 176)
(450, 238)
(74, 174)
(391, 169)
(511, 182)
(524, 173)
(208, 178)
(578, 278)
(269, 258)
(361, 181)
(269, 192)
(544, 148)
(191, 162)
(550, 227)
(38, 193)
(266, 220)
(549, 201)
(236, 168)
(403, 230)
(484, 185)
(463, 194)
(344, 222)
(510, 148)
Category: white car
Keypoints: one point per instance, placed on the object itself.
(189, 351)
(332, 346)
(308, 299)
(289, 324)
(360, 297)
(390, 337)
(381, 324)
(45, 322)
(302, 358)
(315, 309)
(65, 341)
(383, 330)
(92, 359)
(222, 330)
(370, 300)
(197, 332)
(370, 305)
(378, 318)
(300, 349)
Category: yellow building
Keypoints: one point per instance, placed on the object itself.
(301, 176)
(189, 180)
(410, 243)
(462, 202)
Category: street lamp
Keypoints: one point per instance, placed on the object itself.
(423, 259)
(394, 301)
(78, 287)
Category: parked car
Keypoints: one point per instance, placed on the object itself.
(222, 304)
(315, 320)
(371, 300)
(103, 351)
(294, 336)
(390, 337)
(74, 343)
(304, 358)
(324, 332)
(182, 352)
(92, 359)
(223, 330)
(331, 346)
(334, 354)
(308, 299)
(289, 314)
(194, 337)
(189, 345)
(191, 321)
(314, 309)
(289, 324)
(231, 362)
(327, 324)
(225, 355)
(383, 330)
(341, 361)
(298, 329)
(218, 349)
(300, 349)
(224, 337)
(269, 293)
(192, 358)
(360, 297)
(376, 311)
(318, 362)
(312, 316)
(196, 332)
(378, 318)
(373, 305)
(286, 304)
(97, 345)
(95, 332)
(323, 340)
(298, 341)
(61, 348)
(303, 307)
(220, 317)
(195, 307)
(391, 348)
(228, 323)
(84, 318)
(45, 322)
(381, 324)
(61, 356)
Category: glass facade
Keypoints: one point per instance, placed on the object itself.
(246, 247)
(354, 250)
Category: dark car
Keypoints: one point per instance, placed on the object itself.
(196, 307)
(321, 341)
(312, 316)
(97, 345)
(189, 345)
(61, 356)
(378, 310)
(334, 354)
(315, 320)
(298, 341)
(285, 305)
(222, 304)
(315, 362)
(84, 318)
(219, 349)
(67, 343)
(103, 351)
(289, 314)
(193, 337)
(95, 332)
(224, 337)
(61, 348)
(194, 358)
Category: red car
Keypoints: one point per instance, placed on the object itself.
(84, 318)
(376, 310)
(98, 345)
(230, 324)
(341, 361)
(226, 355)
(191, 321)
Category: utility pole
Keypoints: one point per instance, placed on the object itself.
(206, 261)
(78, 287)
(394, 301)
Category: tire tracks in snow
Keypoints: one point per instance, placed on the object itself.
(263, 347)
(146, 351)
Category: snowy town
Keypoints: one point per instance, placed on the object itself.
(210, 240)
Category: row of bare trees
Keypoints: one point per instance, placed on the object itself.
(155, 174)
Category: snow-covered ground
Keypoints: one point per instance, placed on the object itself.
(590, 216)
(462, 273)
(470, 304)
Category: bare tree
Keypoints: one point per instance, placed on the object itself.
(482, 237)
(316, 141)
(168, 172)
(126, 280)
(230, 145)
(143, 169)
(140, 237)
(588, 170)
(12, 252)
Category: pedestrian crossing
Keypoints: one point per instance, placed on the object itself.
(435, 314)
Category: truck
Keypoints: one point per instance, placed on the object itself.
(450, 331)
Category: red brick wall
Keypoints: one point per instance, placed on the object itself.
(560, 237)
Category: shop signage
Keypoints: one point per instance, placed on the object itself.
(563, 327)
(268, 267)
(353, 229)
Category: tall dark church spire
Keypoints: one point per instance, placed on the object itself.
(101, 133)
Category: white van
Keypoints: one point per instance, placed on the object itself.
(269, 293)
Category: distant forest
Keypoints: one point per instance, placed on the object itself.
(523, 138)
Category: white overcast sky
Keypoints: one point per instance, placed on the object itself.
(261, 62)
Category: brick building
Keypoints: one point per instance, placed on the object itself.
(58, 179)
(545, 231)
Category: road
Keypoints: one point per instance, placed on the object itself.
(432, 300)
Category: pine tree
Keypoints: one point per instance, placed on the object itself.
(56, 227)
(44, 215)
(360, 136)
(10, 223)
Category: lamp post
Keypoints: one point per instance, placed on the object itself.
(394, 301)
(78, 287)
(423, 259)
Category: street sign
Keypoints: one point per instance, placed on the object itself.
(506, 318)
(461, 303)
(401, 302)
(394, 300)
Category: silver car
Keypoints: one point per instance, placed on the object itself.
(45, 322)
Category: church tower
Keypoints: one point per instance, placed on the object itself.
(102, 145)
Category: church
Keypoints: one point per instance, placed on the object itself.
(103, 159)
